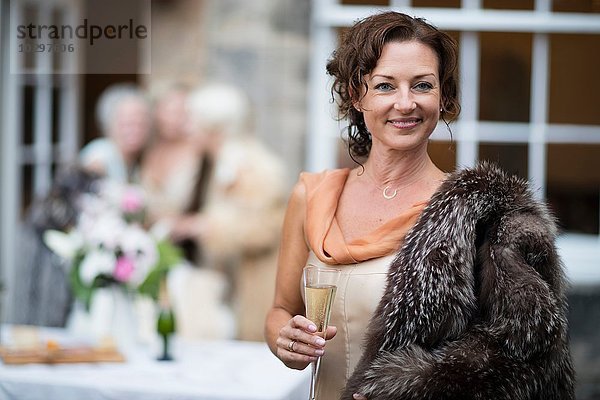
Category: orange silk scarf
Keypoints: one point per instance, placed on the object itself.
(325, 237)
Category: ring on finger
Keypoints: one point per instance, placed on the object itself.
(290, 346)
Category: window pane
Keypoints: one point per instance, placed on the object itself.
(367, 2)
(26, 188)
(505, 76)
(27, 114)
(443, 154)
(512, 158)
(574, 83)
(436, 3)
(55, 114)
(581, 6)
(509, 4)
(573, 176)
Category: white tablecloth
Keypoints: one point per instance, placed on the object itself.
(231, 370)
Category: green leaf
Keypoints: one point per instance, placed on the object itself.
(80, 290)
(168, 257)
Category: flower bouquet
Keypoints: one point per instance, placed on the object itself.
(109, 246)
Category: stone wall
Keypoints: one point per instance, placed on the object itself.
(178, 43)
(261, 46)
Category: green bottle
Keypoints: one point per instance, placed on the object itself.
(165, 325)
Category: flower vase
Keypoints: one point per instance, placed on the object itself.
(112, 314)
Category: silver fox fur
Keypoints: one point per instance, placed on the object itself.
(474, 306)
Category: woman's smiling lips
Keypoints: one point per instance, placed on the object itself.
(404, 123)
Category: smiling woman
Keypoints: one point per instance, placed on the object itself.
(395, 77)
(401, 103)
(463, 265)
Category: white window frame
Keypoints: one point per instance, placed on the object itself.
(42, 153)
(580, 252)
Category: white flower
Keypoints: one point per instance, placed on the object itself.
(140, 247)
(161, 229)
(111, 191)
(92, 204)
(63, 244)
(96, 262)
(110, 244)
(104, 230)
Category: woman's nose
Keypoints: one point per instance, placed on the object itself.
(404, 102)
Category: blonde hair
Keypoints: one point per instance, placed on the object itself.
(111, 99)
(219, 108)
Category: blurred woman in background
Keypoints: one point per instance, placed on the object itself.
(237, 227)
(123, 115)
(171, 163)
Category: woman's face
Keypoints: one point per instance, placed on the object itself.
(401, 107)
(171, 116)
(130, 127)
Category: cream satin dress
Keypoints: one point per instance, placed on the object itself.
(364, 263)
(359, 290)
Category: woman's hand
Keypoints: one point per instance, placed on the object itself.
(298, 344)
(357, 396)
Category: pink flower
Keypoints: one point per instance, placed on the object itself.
(124, 269)
(132, 201)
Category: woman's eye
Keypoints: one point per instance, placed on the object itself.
(384, 86)
(423, 86)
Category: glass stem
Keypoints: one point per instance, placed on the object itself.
(315, 365)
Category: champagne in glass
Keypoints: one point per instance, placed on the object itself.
(319, 299)
(320, 285)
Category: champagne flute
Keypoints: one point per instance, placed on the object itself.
(320, 285)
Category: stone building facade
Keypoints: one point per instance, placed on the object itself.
(261, 46)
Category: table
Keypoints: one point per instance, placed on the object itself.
(203, 370)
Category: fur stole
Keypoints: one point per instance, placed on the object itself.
(474, 306)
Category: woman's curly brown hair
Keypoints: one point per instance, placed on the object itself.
(357, 56)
